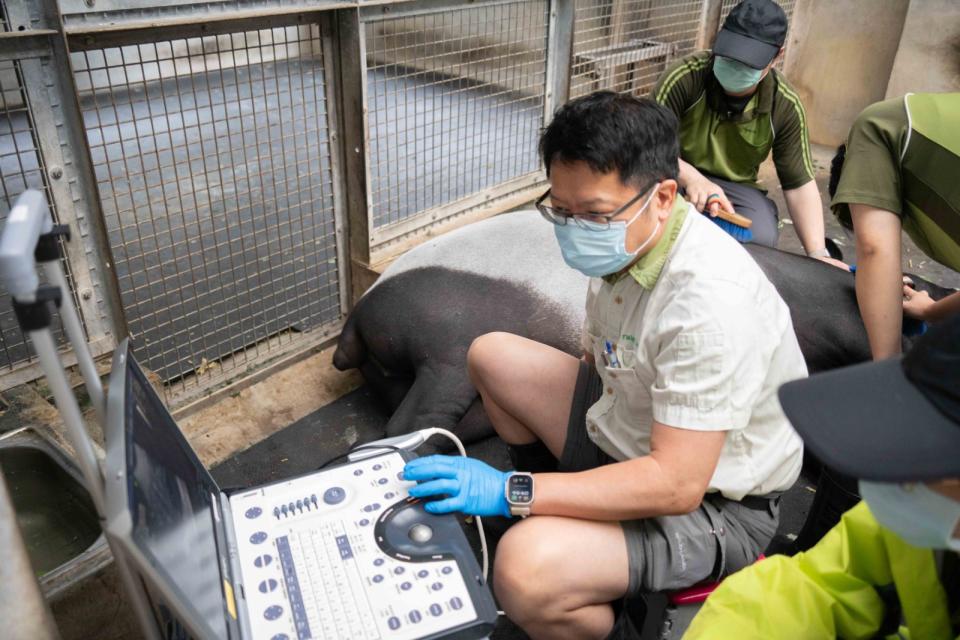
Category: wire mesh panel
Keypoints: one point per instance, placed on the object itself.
(213, 161)
(624, 45)
(455, 103)
(21, 168)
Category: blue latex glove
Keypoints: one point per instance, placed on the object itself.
(472, 486)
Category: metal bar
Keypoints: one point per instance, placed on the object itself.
(23, 610)
(559, 55)
(383, 253)
(355, 142)
(34, 43)
(28, 372)
(71, 324)
(386, 235)
(329, 41)
(709, 23)
(208, 23)
(72, 184)
(121, 35)
(371, 10)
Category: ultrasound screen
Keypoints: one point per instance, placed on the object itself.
(170, 502)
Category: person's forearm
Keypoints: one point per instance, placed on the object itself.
(687, 173)
(626, 490)
(943, 308)
(806, 210)
(879, 294)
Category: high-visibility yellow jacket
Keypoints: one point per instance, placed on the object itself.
(829, 591)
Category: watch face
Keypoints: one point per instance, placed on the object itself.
(520, 489)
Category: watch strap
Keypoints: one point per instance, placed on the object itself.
(520, 510)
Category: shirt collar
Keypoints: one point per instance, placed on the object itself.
(646, 270)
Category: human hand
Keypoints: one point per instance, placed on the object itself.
(707, 196)
(840, 264)
(916, 304)
(472, 486)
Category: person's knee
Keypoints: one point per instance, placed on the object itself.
(522, 573)
(765, 234)
(485, 356)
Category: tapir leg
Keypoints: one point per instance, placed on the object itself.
(438, 398)
(389, 389)
(475, 425)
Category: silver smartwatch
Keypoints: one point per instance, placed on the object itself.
(518, 489)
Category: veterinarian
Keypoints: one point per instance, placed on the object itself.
(672, 447)
(734, 107)
(892, 560)
(899, 172)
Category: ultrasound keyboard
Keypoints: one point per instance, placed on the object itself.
(345, 553)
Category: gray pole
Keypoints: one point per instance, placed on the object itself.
(22, 607)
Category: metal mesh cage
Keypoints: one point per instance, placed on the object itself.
(21, 168)
(624, 45)
(212, 159)
(455, 102)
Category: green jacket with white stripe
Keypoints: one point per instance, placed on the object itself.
(729, 144)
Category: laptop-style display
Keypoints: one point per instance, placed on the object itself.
(338, 553)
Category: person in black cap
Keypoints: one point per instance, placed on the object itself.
(733, 109)
(892, 561)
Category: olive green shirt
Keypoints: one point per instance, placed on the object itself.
(729, 145)
(903, 155)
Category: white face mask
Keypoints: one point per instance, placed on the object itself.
(915, 512)
(598, 251)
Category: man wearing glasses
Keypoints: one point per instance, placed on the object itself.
(659, 457)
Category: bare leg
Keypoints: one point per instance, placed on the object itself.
(548, 586)
(526, 386)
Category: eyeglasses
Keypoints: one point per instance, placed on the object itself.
(591, 221)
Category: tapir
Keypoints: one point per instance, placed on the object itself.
(409, 333)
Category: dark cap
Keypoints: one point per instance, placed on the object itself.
(753, 33)
(897, 420)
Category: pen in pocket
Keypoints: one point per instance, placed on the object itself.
(611, 357)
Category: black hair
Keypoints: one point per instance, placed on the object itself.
(836, 167)
(610, 131)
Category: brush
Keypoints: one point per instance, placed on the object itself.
(735, 225)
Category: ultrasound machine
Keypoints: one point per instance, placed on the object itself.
(342, 552)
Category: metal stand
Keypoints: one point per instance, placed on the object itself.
(24, 613)
(30, 237)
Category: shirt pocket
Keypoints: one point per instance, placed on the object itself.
(697, 375)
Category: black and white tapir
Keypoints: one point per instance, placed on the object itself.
(410, 332)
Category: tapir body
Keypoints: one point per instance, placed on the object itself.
(410, 332)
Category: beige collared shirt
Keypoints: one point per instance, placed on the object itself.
(705, 349)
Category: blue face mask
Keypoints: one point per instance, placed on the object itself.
(915, 512)
(596, 251)
(733, 76)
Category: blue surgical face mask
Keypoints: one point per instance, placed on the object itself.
(915, 512)
(733, 76)
(597, 251)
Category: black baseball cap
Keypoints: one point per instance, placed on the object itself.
(896, 420)
(753, 33)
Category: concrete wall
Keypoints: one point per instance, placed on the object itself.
(929, 55)
(840, 56)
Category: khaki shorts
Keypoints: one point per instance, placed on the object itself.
(674, 552)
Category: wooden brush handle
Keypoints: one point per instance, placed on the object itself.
(735, 218)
